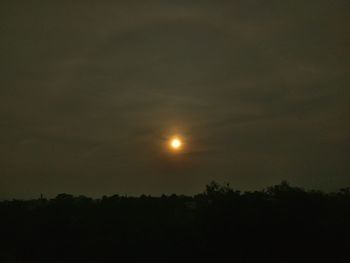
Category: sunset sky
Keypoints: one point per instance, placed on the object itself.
(91, 92)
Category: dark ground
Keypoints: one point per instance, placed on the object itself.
(279, 224)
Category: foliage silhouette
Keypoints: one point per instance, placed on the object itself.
(279, 224)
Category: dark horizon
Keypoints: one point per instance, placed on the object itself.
(282, 224)
(191, 195)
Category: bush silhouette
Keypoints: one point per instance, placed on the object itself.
(281, 223)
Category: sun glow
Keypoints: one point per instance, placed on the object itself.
(175, 143)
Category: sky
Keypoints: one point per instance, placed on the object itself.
(91, 92)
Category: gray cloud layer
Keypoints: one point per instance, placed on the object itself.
(90, 90)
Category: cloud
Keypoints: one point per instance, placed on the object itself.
(90, 90)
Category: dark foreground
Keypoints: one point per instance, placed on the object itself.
(280, 224)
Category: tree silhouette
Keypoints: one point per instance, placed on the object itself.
(281, 223)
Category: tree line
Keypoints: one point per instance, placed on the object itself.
(281, 223)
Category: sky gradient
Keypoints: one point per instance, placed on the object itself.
(90, 92)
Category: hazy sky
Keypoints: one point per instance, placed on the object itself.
(91, 90)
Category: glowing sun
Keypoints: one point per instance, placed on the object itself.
(175, 143)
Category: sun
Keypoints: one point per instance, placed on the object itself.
(176, 143)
